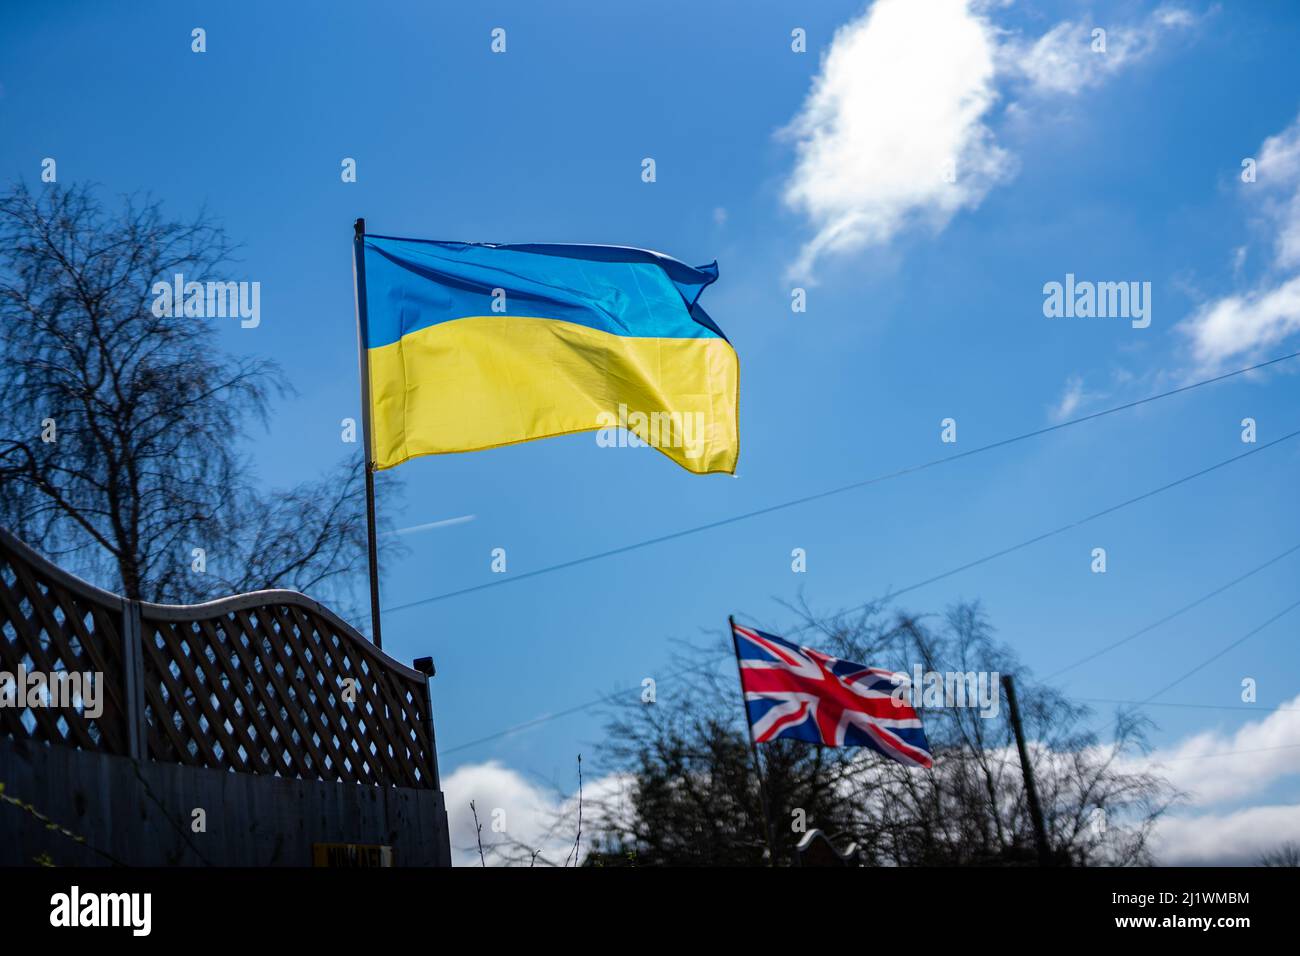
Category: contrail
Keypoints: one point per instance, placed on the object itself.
(445, 523)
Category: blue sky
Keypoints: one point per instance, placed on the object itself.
(1115, 166)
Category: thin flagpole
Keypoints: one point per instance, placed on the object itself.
(359, 287)
(753, 747)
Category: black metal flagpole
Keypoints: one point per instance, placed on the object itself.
(753, 748)
(359, 285)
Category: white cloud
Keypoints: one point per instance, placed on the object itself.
(527, 808)
(1215, 767)
(1231, 839)
(1071, 399)
(534, 816)
(1277, 176)
(1239, 259)
(895, 132)
(1279, 158)
(898, 103)
(1069, 58)
(1244, 323)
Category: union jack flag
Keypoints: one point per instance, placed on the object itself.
(802, 694)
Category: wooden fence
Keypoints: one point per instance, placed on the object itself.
(267, 683)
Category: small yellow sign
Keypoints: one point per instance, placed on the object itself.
(351, 854)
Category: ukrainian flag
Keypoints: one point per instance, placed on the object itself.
(474, 346)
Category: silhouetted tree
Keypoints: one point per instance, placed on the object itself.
(694, 797)
(1286, 855)
(148, 414)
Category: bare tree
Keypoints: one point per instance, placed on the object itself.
(478, 833)
(695, 801)
(1285, 855)
(545, 840)
(121, 430)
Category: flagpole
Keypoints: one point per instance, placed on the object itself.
(359, 287)
(753, 747)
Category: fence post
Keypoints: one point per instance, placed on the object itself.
(425, 666)
(137, 740)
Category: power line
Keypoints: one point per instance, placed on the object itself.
(1138, 703)
(1082, 521)
(1205, 663)
(1169, 617)
(614, 697)
(1147, 702)
(938, 577)
(546, 718)
(911, 469)
(1004, 762)
(1214, 657)
(1230, 753)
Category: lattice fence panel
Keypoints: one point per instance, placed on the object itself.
(277, 689)
(52, 627)
(267, 683)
